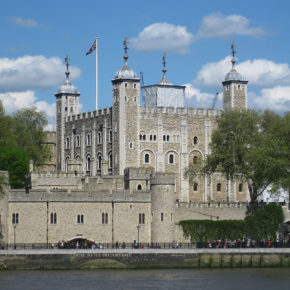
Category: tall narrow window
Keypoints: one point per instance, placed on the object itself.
(140, 218)
(195, 140)
(143, 218)
(78, 141)
(110, 160)
(167, 138)
(171, 159)
(240, 187)
(110, 136)
(219, 187)
(80, 219)
(67, 142)
(99, 162)
(147, 158)
(195, 186)
(99, 138)
(106, 218)
(89, 140)
(88, 163)
(195, 160)
(162, 217)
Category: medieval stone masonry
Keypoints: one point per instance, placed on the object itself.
(121, 167)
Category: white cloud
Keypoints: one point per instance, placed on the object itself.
(276, 99)
(23, 22)
(164, 37)
(13, 101)
(32, 72)
(195, 98)
(169, 37)
(219, 25)
(259, 73)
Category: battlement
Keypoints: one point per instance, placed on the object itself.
(163, 179)
(145, 110)
(88, 115)
(217, 205)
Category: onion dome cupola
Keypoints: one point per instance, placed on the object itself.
(67, 87)
(126, 72)
(234, 87)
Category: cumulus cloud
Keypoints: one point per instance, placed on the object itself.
(219, 25)
(169, 37)
(164, 37)
(196, 98)
(276, 98)
(13, 101)
(32, 72)
(23, 22)
(259, 73)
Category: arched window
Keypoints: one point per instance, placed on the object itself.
(88, 163)
(195, 160)
(147, 158)
(219, 187)
(195, 140)
(144, 137)
(240, 187)
(139, 187)
(99, 162)
(110, 160)
(99, 138)
(140, 137)
(88, 140)
(171, 159)
(66, 164)
(195, 185)
(164, 138)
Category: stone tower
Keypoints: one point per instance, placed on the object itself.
(234, 87)
(162, 208)
(125, 121)
(67, 104)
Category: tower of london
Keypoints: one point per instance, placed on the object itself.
(121, 167)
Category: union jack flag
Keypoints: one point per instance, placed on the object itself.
(93, 47)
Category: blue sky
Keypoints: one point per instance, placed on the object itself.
(196, 35)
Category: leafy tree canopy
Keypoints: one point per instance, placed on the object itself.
(16, 162)
(251, 146)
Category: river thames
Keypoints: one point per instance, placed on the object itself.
(274, 278)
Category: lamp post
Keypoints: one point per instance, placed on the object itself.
(138, 229)
(14, 237)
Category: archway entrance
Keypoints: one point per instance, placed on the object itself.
(78, 243)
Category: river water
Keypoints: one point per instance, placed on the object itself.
(232, 279)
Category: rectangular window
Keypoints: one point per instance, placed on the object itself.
(15, 218)
(131, 145)
(162, 217)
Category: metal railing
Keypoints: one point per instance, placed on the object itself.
(173, 245)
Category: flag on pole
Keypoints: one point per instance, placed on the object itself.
(93, 47)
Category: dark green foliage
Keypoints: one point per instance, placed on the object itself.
(15, 161)
(249, 146)
(263, 224)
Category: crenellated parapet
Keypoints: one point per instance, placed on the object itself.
(89, 115)
(167, 111)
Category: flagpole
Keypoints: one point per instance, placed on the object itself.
(97, 73)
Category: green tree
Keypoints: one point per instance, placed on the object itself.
(249, 146)
(28, 131)
(16, 162)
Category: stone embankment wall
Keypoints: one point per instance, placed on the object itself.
(130, 259)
